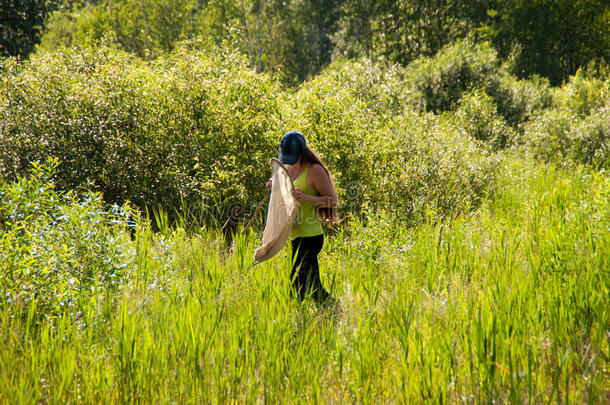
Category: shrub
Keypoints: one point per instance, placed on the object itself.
(381, 87)
(196, 130)
(429, 168)
(56, 248)
(146, 29)
(583, 95)
(186, 130)
(556, 135)
(591, 139)
(438, 82)
(406, 163)
(519, 99)
(577, 126)
(548, 134)
(477, 116)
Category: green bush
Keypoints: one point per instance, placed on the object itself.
(186, 130)
(438, 82)
(519, 99)
(57, 249)
(406, 162)
(577, 126)
(548, 134)
(557, 135)
(381, 87)
(591, 139)
(583, 95)
(194, 130)
(425, 166)
(145, 28)
(477, 115)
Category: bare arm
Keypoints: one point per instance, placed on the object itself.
(321, 182)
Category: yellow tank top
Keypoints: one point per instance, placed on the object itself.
(306, 223)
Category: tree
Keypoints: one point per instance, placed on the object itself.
(144, 27)
(354, 35)
(21, 22)
(307, 47)
(277, 35)
(399, 30)
(553, 37)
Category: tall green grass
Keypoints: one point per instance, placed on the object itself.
(508, 304)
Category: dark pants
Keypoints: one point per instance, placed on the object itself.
(305, 273)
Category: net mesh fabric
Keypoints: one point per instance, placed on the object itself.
(281, 213)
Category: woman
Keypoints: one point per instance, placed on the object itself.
(317, 201)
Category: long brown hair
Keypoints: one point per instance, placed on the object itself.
(327, 214)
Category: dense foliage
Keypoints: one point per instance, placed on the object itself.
(186, 130)
(292, 36)
(576, 126)
(195, 130)
(549, 38)
(59, 248)
(384, 154)
(22, 23)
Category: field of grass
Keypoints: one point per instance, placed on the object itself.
(508, 303)
(471, 263)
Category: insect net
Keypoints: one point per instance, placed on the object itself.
(281, 213)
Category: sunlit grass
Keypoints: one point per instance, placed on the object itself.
(510, 303)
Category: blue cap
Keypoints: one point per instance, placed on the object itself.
(291, 146)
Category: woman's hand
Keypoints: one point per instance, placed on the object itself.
(268, 186)
(301, 196)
